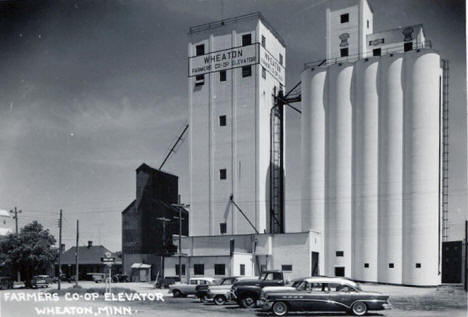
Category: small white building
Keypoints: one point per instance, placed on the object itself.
(6, 223)
(297, 254)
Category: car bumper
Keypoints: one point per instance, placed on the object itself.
(387, 306)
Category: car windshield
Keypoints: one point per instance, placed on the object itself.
(227, 281)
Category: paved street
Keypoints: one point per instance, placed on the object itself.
(177, 307)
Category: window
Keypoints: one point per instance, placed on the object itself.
(418, 265)
(220, 269)
(246, 39)
(222, 75)
(376, 52)
(199, 80)
(222, 227)
(199, 269)
(263, 41)
(391, 265)
(222, 121)
(222, 173)
(344, 18)
(263, 73)
(246, 71)
(281, 59)
(339, 253)
(286, 267)
(366, 265)
(408, 46)
(263, 268)
(368, 23)
(194, 282)
(200, 49)
(177, 269)
(339, 271)
(344, 52)
(242, 269)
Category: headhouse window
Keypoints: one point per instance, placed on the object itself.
(220, 269)
(199, 269)
(222, 121)
(200, 49)
(339, 253)
(242, 269)
(366, 265)
(222, 75)
(263, 72)
(408, 46)
(263, 41)
(281, 59)
(177, 269)
(391, 265)
(286, 267)
(246, 39)
(246, 71)
(344, 52)
(222, 227)
(377, 52)
(344, 18)
(418, 265)
(222, 173)
(199, 80)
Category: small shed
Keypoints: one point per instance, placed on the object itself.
(141, 272)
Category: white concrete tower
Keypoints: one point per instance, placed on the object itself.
(235, 65)
(348, 24)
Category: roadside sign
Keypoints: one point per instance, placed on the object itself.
(108, 260)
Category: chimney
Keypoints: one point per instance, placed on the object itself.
(90, 244)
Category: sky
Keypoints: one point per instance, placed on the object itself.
(89, 90)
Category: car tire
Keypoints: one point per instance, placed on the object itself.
(359, 309)
(176, 293)
(248, 302)
(279, 309)
(219, 300)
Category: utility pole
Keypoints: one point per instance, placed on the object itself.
(164, 248)
(76, 251)
(15, 213)
(179, 207)
(60, 252)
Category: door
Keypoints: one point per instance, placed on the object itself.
(452, 262)
(315, 262)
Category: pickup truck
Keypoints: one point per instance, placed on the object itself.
(183, 289)
(247, 292)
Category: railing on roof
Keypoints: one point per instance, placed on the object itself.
(223, 22)
(397, 48)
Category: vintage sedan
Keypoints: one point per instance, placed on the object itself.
(324, 294)
(183, 289)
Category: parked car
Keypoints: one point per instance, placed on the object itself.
(218, 293)
(6, 282)
(183, 289)
(320, 294)
(166, 281)
(98, 277)
(39, 281)
(119, 278)
(247, 292)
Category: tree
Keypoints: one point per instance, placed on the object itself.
(31, 252)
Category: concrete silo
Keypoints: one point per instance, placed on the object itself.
(338, 237)
(365, 169)
(314, 87)
(390, 169)
(421, 168)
